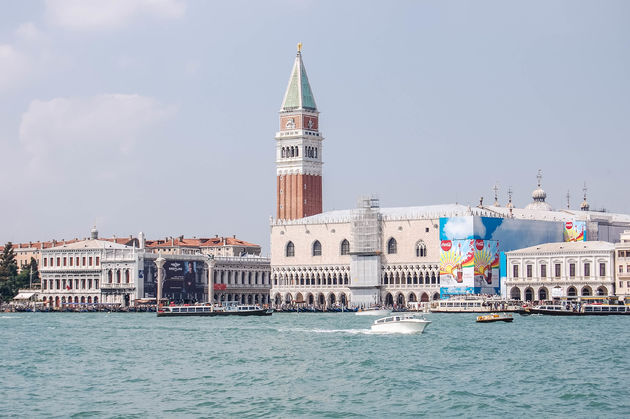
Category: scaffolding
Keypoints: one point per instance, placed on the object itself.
(366, 227)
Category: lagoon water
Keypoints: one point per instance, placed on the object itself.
(310, 365)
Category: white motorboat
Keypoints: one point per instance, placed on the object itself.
(373, 311)
(400, 323)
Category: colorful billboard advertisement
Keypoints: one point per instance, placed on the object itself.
(575, 231)
(469, 266)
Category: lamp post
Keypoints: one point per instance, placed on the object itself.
(160, 261)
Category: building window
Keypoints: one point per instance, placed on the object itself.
(572, 270)
(83, 264)
(421, 249)
(345, 247)
(587, 270)
(98, 260)
(515, 271)
(317, 248)
(558, 270)
(290, 250)
(602, 269)
(392, 246)
(543, 271)
(45, 262)
(90, 260)
(620, 269)
(529, 271)
(64, 261)
(58, 261)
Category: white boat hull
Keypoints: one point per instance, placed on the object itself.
(402, 326)
(374, 312)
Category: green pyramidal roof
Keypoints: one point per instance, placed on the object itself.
(299, 94)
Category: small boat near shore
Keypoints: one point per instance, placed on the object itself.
(495, 317)
(227, 309)
(401, 323)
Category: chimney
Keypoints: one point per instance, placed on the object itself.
(233, 236)
(181, 238)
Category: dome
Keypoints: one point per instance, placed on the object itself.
(539, 194)
(539, 206)
(584, 206)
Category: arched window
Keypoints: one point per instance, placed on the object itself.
(283, 153)
(297, 151)
(290, 250)
(315, 152)
(127, 276)
(345, 247)
(392, 246)
(421, 249)
(317, 248)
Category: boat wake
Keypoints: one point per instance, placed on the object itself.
(341, 331)
(346, 331)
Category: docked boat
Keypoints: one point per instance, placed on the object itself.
(227, 309)
(401, 323)
(373, 311)
(473, 304)
(495, 317)
(579, 310)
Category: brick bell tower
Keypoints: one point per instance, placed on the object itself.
(298, 149)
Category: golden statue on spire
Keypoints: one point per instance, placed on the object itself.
(299, 47)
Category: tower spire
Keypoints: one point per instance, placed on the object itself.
(496, 195)
(298, 94)
(584, 206)
(298, 148)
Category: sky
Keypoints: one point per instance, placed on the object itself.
(160, 115)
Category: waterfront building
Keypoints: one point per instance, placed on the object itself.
(558, 270)
(73, 273)
(622, 270)
(106, 272)
(370, 255)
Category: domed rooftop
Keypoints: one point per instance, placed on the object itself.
(539, 196)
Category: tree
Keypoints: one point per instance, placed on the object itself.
(9, 281)
(8, 265)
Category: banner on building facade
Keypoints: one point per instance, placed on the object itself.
(575, 231)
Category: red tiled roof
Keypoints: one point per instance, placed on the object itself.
(199, 242)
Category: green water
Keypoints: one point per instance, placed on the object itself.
(310, 365)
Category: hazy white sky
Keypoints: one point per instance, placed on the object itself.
(159, 115)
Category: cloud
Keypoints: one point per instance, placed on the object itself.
(28, 32)
(99, 14)
(90, 134)
(14, 67)
(458, 228)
